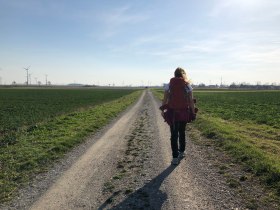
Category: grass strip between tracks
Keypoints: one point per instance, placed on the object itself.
(255, 147)
(37, 148)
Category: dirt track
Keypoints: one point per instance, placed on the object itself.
(129, 168)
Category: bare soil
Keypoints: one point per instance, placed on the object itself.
(127, 166)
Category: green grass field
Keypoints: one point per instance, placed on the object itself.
(25, 108)
(60, 119)
(246, 124)
(260, 107)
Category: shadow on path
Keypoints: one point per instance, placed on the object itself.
(148, 197)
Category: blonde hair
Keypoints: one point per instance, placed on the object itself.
(180, 72)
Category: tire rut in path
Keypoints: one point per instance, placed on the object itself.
(136, 185)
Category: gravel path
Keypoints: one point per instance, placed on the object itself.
(127, 166)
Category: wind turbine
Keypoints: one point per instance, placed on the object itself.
(46, 79)
(27, 74)
(30, 81)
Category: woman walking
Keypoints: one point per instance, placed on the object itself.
(178, 102)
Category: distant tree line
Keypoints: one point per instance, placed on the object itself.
(257, 86)
(233, 85)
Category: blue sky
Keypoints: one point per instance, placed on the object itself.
(140, 42)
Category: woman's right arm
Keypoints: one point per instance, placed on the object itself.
(165, 97)
(166, 94)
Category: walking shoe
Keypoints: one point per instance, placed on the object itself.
(181, 155)
(175, 161)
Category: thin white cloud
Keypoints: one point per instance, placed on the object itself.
(118, 18)
(260, 55)
(248, 11)
(231, 6)
(227, 51)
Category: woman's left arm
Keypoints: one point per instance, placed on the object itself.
(191, 102)
(190, 97)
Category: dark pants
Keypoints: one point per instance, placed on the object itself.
(178, 130)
